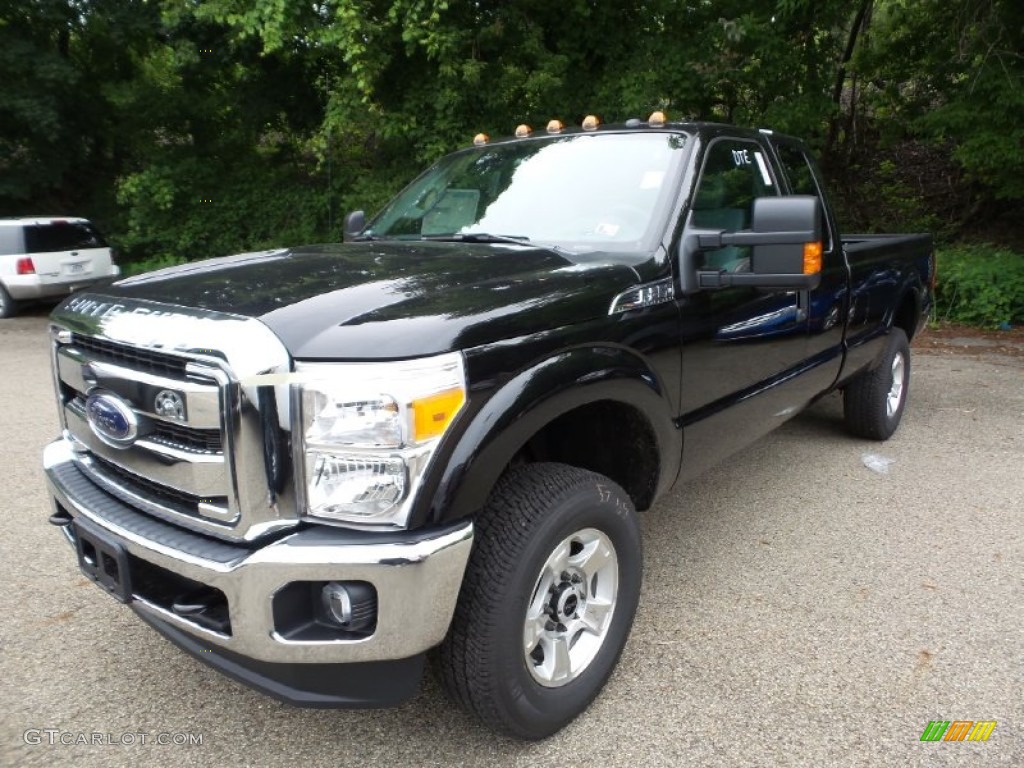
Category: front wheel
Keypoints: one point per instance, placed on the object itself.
(873, 402)
(547, 600)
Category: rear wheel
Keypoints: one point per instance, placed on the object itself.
(8, 307)
(547, 601)
(873, 402)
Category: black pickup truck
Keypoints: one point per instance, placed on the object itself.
(309, 467)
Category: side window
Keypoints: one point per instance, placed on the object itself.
(735, 173)
(798, 168)
(11, 240)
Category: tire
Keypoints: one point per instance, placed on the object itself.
(8, 307)
(873, 402)
(542, 523)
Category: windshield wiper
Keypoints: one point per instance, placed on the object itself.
(487, 237)
(478, 237)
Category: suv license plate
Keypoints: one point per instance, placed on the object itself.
(103, 560)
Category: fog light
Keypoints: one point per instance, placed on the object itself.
(351, 605)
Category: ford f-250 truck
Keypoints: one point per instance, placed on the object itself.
(309, 467)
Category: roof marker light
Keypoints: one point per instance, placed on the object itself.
(590, 123)
(657, 119)
(523, 131)
(555, 126)
(480, 139)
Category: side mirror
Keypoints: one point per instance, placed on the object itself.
(785, 242)
(355, 222)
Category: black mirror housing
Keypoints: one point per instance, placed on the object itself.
(785, 242)
(796, 214)
(355, 222)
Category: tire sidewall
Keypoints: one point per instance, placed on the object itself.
(603, 506)
(7, 306)
(897, 346)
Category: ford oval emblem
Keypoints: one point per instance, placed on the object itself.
(112, 420)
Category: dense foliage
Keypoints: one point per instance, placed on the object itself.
(190, 128)
(980, 285)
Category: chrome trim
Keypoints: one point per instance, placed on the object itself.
(60, 335)
(417, 583)
(643, 296)
(80, 372)
(57, 337)
(230, 365)
(117, 488)
(200, 474)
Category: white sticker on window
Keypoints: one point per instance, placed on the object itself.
(765, 176)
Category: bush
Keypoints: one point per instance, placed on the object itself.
(152, 263)
(980, 285)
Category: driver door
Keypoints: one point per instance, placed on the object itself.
(739, 344)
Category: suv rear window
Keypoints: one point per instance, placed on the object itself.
(62, 236)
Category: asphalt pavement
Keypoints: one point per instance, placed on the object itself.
(799, 608)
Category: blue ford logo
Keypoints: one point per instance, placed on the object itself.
(112, 420)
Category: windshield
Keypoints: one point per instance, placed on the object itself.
(580, 192)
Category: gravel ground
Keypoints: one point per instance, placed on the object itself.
(798, 609)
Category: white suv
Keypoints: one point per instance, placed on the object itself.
(42, 257)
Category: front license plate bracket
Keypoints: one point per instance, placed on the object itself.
(103, 560)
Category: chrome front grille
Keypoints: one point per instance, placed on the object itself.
(157, 363)
(214, 461)
(167, 433)
(117, 478)
(174, 469)
(199, 440)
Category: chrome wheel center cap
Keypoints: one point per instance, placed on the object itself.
(568, 602)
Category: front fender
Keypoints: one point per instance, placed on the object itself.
(524, 404)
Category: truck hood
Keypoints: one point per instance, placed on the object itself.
(361, 301)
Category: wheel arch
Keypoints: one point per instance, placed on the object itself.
(906, 311)
(534, 412)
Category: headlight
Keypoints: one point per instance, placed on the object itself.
(368, 431)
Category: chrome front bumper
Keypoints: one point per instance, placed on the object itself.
(417, 575)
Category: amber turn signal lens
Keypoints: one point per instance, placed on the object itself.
(812, 258)
(433, 414)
